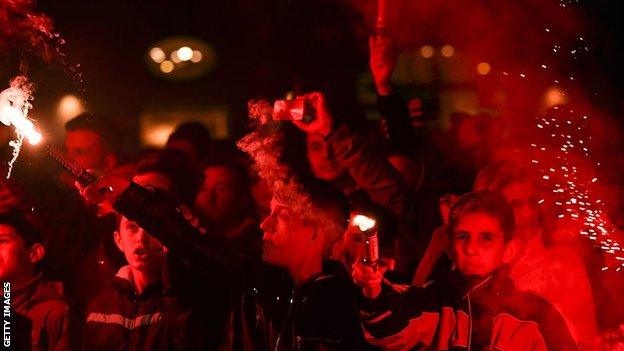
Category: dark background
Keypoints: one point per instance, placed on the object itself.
(263, 49)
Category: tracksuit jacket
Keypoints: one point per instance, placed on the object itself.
(120, 319)
(488, 314)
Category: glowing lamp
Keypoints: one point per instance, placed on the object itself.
(483, 68)
(197, 56)
(166, 66)
(426, 51)
(448, 51)
(185, 53)
(157, 54)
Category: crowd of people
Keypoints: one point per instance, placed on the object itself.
(253, 246)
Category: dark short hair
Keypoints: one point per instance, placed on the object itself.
(176, 165)
(23, 228)
(106, 128)
(195, 133)
(488, 202)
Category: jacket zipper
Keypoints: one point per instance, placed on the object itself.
(283, 328)
(469, 323)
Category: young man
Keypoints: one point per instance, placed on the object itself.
(92, 141)
(137, 311)
(478, 307)
(42, 317)
(315, 311)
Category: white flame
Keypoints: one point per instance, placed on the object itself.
(363, 222)
(14, 107)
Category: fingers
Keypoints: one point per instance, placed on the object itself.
(365, 276)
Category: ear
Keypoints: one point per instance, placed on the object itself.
(36, 253)
(117, 238)
(513, 249)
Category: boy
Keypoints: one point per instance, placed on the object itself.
(137, 311)
(478, 307)
(42, 316)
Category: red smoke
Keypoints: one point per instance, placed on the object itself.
(25, 31)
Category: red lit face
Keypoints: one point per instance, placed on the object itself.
(478, 244)
(141, 250)
(15, 261)
(321, 160)
(86, 148)
(522, 196)
(286, 237)
(220, 196)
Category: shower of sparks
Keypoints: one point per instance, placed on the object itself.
(563, 164)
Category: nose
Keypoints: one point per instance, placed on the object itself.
(141, 236)
(470, 247)
(267, 225)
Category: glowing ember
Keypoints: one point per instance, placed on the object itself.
(14, 107)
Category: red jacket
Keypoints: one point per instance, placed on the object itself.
(491, 315)
(44, 319)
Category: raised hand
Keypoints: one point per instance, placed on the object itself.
(383, 61)
(323, 121)
(106, 188)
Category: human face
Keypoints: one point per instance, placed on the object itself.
(522, 196)
(15, 258)
(86, 148)
(286, 237)
(478, 244)
(220, 197)
(141, 250)
(321, 159)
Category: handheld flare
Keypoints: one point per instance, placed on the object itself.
(371, 242)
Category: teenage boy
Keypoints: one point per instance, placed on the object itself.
(478, 307)
(43, 317)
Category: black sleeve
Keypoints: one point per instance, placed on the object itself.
(157, 213)
(394, 111)
(401, 318)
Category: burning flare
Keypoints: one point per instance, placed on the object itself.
(14, 107)
(363, 222)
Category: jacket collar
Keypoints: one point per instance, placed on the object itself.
(124, 282)
(35, 291)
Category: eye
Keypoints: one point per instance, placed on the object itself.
(461, 236)
(133, 227)
(283, 215)
(487, 237)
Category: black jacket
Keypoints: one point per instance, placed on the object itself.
(271, 314)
